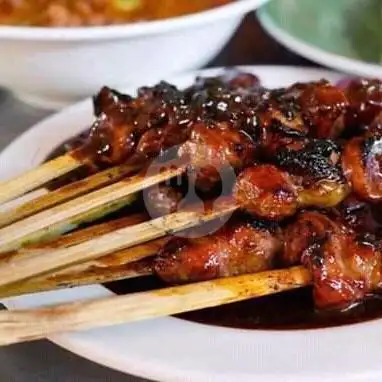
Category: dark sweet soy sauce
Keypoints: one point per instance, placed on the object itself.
(284, 311)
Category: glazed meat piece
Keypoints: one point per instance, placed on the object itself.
(310, 229)
(241, 81)
(365, 105)
(215, 146)
(286, 117)
(362, 166)
(310, 176)
(360, 216)
(226, 120)
(231, 98)
(206, 88)
(237, 248)
(138, 129)
(278, 121)
(345, 266)
(108, 100)
(267, 192)
(323, 107)
(316, 171)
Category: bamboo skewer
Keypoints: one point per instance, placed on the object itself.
(30, 180)
(42, 261)
(27, 325)
(116, 266)
(72, 278)
(66, 193)
(67, 216)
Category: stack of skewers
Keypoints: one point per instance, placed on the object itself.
(300, 209)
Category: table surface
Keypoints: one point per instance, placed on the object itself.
(42, 361)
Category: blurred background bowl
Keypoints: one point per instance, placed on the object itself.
(345, 35)
(52, 67)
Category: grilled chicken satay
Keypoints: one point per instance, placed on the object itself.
(346, 266)
(239, 247)
(360, 216)
(291, 115)
(362, 164)
(138, 128)
(212, 147)
(161, 116)
(364, 113)
(323, 108)
(134, 129)
(319, 106)
(310, 176)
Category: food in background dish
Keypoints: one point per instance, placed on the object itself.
(75, 13)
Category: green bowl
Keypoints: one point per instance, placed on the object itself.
(342, 34)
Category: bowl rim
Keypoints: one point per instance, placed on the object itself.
(236, 8)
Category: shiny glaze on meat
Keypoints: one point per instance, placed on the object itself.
(213, 147)
(266, 191)
(360, 216)
(365, 105)
(345, 266)
(323, 107)
(362, 164)
(236, 248)
(139, 128)
(135, 129)
(288, 116)
(316, 172)
(292, 310)
(308, 176)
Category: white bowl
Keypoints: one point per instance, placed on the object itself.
(51, 67)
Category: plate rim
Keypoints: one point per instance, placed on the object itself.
(315, 53)
(83, 346)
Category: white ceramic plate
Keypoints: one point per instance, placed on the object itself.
(169, 349)
(343, 34)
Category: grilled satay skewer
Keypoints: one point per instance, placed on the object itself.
(223, 146)
(33, 324)
(122, 131)
(66, 217)
(263, 190)
(242, 245)
(209, 148)
(44, 261)
(65, 193)
(119, 265)
(346, 265)
(34, 178)
(323, 107)
(247, 245)
(344, 269)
